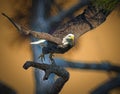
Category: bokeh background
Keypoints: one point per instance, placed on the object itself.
(102, 43)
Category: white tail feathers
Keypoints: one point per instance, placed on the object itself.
(38, 42)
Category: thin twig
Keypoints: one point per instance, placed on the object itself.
(18, 27)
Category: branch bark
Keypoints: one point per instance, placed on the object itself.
(48, 69)
(66, 13)
(56, 87)
(100, 66)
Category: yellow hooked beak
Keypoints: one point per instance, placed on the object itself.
(72, 37)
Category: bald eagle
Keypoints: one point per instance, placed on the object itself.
(50, 47)
(65, 36)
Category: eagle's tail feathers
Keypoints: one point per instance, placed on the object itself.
(41, 41)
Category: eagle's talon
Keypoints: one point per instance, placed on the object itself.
(53, 62)
(42, 57)
(51, 58)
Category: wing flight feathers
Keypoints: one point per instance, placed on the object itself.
(40, 35)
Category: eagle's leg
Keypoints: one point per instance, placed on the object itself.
(51, 58)
(42, 57)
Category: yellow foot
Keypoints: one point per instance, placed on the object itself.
(42, 57)
(51, 58)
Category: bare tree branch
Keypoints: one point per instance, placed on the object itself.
(102, 66)
(66, 13)
(18, 27)
(99, 66)
(64, 75)
(109, 85)
(48, 69)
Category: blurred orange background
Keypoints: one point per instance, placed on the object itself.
(102, 43)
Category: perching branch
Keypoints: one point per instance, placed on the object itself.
(64, 75)
(48, 69)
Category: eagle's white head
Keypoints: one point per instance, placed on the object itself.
(68, 39)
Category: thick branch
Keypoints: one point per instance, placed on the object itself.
(64, 75)
(48, 69)
(104, 66)
(101, 66)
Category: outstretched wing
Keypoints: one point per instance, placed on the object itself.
(40, 35)
(76, 26)
(81, 24)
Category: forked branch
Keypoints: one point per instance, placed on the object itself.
(64, 75)
(48, 69)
